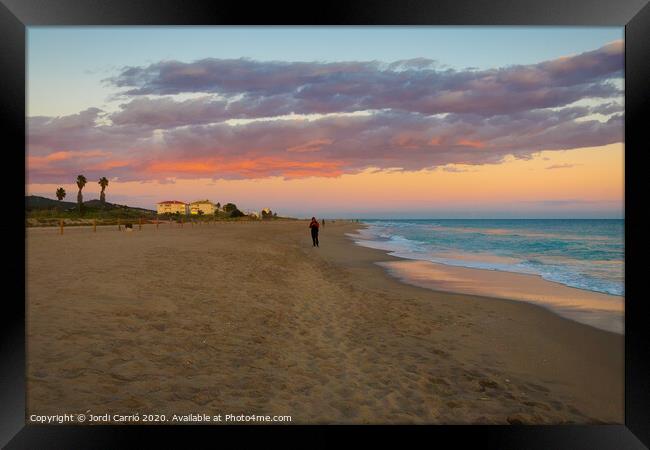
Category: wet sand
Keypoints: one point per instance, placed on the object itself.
(249, 318)
(603, 311)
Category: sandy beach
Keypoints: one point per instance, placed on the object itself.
(249, 318)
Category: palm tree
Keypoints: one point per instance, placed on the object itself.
(60, 193)
(103, 182)
(81, 182)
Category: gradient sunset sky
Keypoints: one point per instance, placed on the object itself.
(360, 122)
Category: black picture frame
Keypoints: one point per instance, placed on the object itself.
(16, 15)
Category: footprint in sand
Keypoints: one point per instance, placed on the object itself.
(488, 384)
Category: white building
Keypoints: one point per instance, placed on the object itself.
(203, 206)
(172, 207)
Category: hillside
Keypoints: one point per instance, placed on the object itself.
(43, 211)
(36, 203)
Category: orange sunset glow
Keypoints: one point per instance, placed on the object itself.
(593, 176)
(351, 137)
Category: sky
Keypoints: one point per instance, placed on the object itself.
(330, 121)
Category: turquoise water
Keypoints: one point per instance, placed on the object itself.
(581, 253)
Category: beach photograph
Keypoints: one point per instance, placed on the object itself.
(325, 225)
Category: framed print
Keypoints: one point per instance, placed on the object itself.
(403, 219)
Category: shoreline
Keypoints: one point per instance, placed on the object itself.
(252, 318)
(546, 320)
(596, 309)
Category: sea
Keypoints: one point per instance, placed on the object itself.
(581, 253)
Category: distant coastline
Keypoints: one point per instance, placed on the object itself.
(46, 212)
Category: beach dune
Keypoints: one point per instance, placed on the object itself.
(249, 318)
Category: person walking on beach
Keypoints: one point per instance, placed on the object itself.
(313, 225)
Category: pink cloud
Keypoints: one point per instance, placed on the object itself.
(311, 146)
(415, 117)
(471, 143)
(248, 168)
(40, 162)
